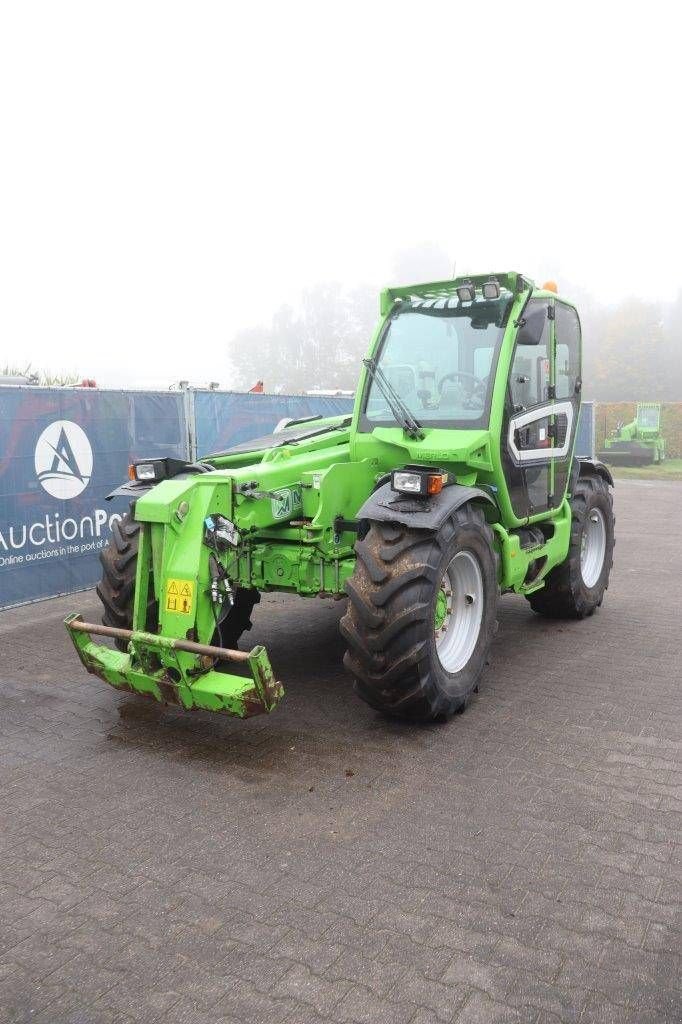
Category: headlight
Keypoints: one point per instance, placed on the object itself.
(418, 480)
(466, 292)
(410, 482)
(144, 471)
(151, 470)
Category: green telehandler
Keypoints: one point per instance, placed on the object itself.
(638, 443)
(452, 481)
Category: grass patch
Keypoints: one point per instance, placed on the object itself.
(669, 469)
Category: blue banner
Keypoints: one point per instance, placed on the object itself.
(61, 452)
(225, 418)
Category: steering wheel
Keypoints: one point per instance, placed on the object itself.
(477, 387)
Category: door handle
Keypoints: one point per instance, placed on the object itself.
(523, 437)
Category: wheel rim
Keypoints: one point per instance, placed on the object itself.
(459, 611)
(593, 547)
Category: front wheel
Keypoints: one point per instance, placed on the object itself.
(421, 615)
(116, 589)
(576, 588)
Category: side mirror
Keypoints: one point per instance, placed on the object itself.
(532, 327)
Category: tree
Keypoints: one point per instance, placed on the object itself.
(321, 345)
(630, 359)
(44, 377)
(672, 327)
(631, 351)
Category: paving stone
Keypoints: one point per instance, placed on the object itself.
(481, 1009)
(303, 985)
(363, 1007)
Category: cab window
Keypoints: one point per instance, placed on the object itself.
(529, 375)
(567, 351)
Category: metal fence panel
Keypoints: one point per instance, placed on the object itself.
(61, 452)
(225, 418)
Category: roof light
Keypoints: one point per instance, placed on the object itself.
(491, 290)
(466, 292)
(550, 286)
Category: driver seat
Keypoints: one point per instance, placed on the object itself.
(403, 380)
(451, 397)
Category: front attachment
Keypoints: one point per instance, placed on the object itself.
(628, 453)
(181, 672)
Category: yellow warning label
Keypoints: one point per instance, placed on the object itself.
(180, 596)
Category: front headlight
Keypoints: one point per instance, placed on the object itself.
(153, 470)
(420, 480)
(144, 471)
(411, 483)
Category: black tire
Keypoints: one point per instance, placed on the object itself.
(389, 623)
(237, 619)
(565, 594)
(116, 589)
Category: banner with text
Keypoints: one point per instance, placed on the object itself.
(61, 452)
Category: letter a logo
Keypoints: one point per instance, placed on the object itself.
(63, 459)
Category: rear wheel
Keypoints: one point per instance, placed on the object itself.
(576, 588)
(116, 589)
(421, 615)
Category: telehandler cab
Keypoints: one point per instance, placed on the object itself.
(452, 481)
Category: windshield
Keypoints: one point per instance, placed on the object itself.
(441, 362)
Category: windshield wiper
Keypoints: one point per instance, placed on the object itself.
(404, 417)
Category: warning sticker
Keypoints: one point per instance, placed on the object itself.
(286, 501)
(180, 596)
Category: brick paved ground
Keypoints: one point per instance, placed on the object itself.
(521, 864)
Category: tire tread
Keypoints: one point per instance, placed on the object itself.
(564, 595)
(387, 618)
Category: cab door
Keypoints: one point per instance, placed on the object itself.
(567, 388)
(542, 407)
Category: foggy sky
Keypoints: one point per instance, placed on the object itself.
(172, 172)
